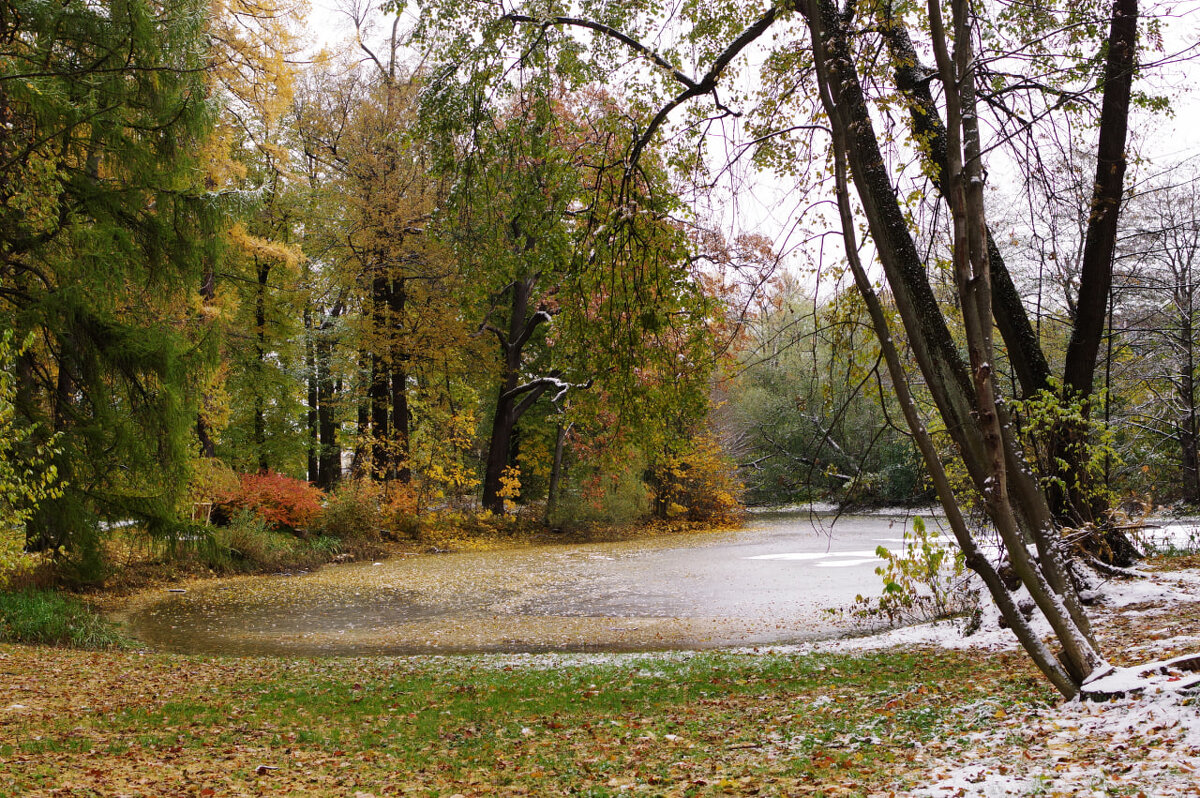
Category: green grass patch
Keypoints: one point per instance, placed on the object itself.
(705, 724)
(50, 618)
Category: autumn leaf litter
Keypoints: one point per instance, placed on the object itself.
(1145, 745)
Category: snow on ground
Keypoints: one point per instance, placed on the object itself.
(1166, 535)
(1143, 745)
(1083, 749)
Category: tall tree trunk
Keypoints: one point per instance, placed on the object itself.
(1095, 281)
(1072, 497)
(963, 396)
(556, 470)
(1189, 433)
(1190, 459)
(1068, 445)
(380, 388)
(362, 446)
(1020, 339)
(329, 460)
(313, 398)
(503, 422)
(208, 447)
(973, 556)
(263, 270)
(401, 414)
(513, 399)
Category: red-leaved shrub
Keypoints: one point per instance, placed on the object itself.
(279, 500)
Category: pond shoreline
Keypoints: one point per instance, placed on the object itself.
(773, 581)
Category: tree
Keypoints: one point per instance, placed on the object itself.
(1161, 320)
(252, 405)
(964, 393)
(27, 475)
(389, 290)
(103, 234)
(810, 408)
(564, 255)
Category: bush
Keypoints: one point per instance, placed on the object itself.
(352, 511)
(28, 475)
(700, 484)
(398, 511)
(251, 543)
(211, 483)
(926, 581)
(49, 618)
(281, 502)
(620, 497)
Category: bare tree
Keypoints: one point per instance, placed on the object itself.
(1161, 319)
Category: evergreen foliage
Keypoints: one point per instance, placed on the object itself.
(104, 232)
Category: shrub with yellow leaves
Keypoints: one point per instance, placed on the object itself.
(698, 483)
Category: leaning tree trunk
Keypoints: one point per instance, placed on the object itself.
(965, 397)
(1069, 446)
(973, 556)
(1025, 353)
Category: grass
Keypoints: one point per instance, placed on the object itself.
(50, 618)
(96, 723)
(708, 724)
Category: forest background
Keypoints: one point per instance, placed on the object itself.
(361, 294)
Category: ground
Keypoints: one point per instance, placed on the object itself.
(921, 711)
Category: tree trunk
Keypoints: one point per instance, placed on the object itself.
(503, 423)
(964, 397)
(313, 398)
(1020, 339)
(260, 352)
(329, 460)
(1068, 446)
(362, 446)
(556, 470)
(1190, 461)
(1073, 500)
(380, 388)
(1189, 432)
(208, 447)
(1095, 281)
(513, 399)
(401, 415)
(973, 557)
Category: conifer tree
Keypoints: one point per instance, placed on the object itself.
(104, 233)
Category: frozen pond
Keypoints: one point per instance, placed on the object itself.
(769, 583)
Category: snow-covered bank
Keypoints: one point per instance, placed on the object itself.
(1148, 744)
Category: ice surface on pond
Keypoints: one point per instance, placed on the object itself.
(769, 583)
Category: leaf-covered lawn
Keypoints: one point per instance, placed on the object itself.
(899, 721)
(76, 723)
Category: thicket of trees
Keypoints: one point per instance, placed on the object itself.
(903, 104)
(220, 258)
